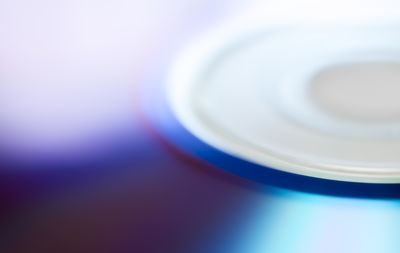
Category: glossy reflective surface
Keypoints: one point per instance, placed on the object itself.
(128, 190)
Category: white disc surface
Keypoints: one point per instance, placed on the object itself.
(321, 102)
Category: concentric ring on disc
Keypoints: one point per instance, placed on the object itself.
(252, 96)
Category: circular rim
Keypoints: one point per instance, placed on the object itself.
(157, 110)
(190, 66)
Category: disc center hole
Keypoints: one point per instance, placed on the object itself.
(359, 91)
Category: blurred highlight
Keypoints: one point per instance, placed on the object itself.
(82, 171)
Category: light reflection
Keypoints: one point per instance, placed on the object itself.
(301, 222)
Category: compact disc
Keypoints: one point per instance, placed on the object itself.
(314, 101)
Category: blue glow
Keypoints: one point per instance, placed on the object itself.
(300, 222)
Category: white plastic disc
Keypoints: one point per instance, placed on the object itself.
(321, 102)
